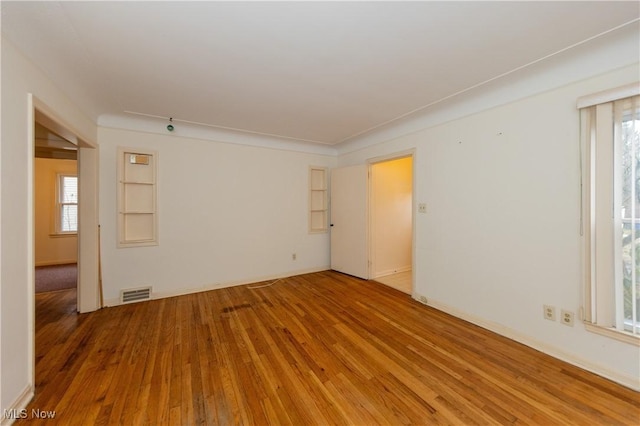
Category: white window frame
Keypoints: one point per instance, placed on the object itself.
(601, 311)
(60, 204)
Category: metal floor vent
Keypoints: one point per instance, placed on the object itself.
(135, 294)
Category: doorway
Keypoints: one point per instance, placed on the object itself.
(88, 297)
(391, 222)
(56, 212)
(372, 229)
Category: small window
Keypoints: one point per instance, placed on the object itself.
(67, 204)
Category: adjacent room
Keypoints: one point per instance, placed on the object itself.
(320, 212)
(56, 212)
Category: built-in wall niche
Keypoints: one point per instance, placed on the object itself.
(318, 205)
(137, 198)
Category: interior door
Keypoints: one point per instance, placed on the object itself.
(349, 247)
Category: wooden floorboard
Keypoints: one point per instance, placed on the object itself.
(322, 348)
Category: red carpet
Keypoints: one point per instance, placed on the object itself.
(56, 277)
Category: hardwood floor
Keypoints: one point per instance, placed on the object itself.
(321, 348)
(402, 281)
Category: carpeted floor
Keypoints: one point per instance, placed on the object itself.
(56, 277)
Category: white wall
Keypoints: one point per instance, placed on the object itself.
(51, 249)
(20, 78)
(391, 216)
(228, 214)
(501, 234)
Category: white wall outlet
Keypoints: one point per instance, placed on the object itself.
(422, 208)
(549, 312)
(566, 317)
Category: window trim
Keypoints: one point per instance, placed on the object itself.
(614, 333)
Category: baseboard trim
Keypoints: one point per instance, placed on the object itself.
(254, 280)
(19, 404)
(56, 262)
(392, 271)
(627, 381)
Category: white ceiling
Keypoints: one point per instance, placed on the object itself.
(316, 71)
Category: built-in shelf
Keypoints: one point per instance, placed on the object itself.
(137, 198)
(318, 205)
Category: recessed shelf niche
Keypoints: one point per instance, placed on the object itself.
(318, 205)
(137, 198)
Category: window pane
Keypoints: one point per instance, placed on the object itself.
(69, 219)
(69, 193)
(630, 193)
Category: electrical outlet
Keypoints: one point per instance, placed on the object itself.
(422, 208)
(294, 256)
(566, 317)
(549, 312)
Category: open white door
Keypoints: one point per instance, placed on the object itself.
(349, 247)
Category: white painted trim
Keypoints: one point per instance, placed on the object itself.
(391, 272)
(623, 336)
(88, 239)
(554, 351)
(610, 95)
(224, 128)
(182, 292)
(19, 404)
(1, 284)
(390, 157)
(31, 250)
(156, 125)
(52, 121)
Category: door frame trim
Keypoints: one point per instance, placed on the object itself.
(87, 297)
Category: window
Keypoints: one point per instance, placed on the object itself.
(67, 204)
(627, 208)
(611, 200)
